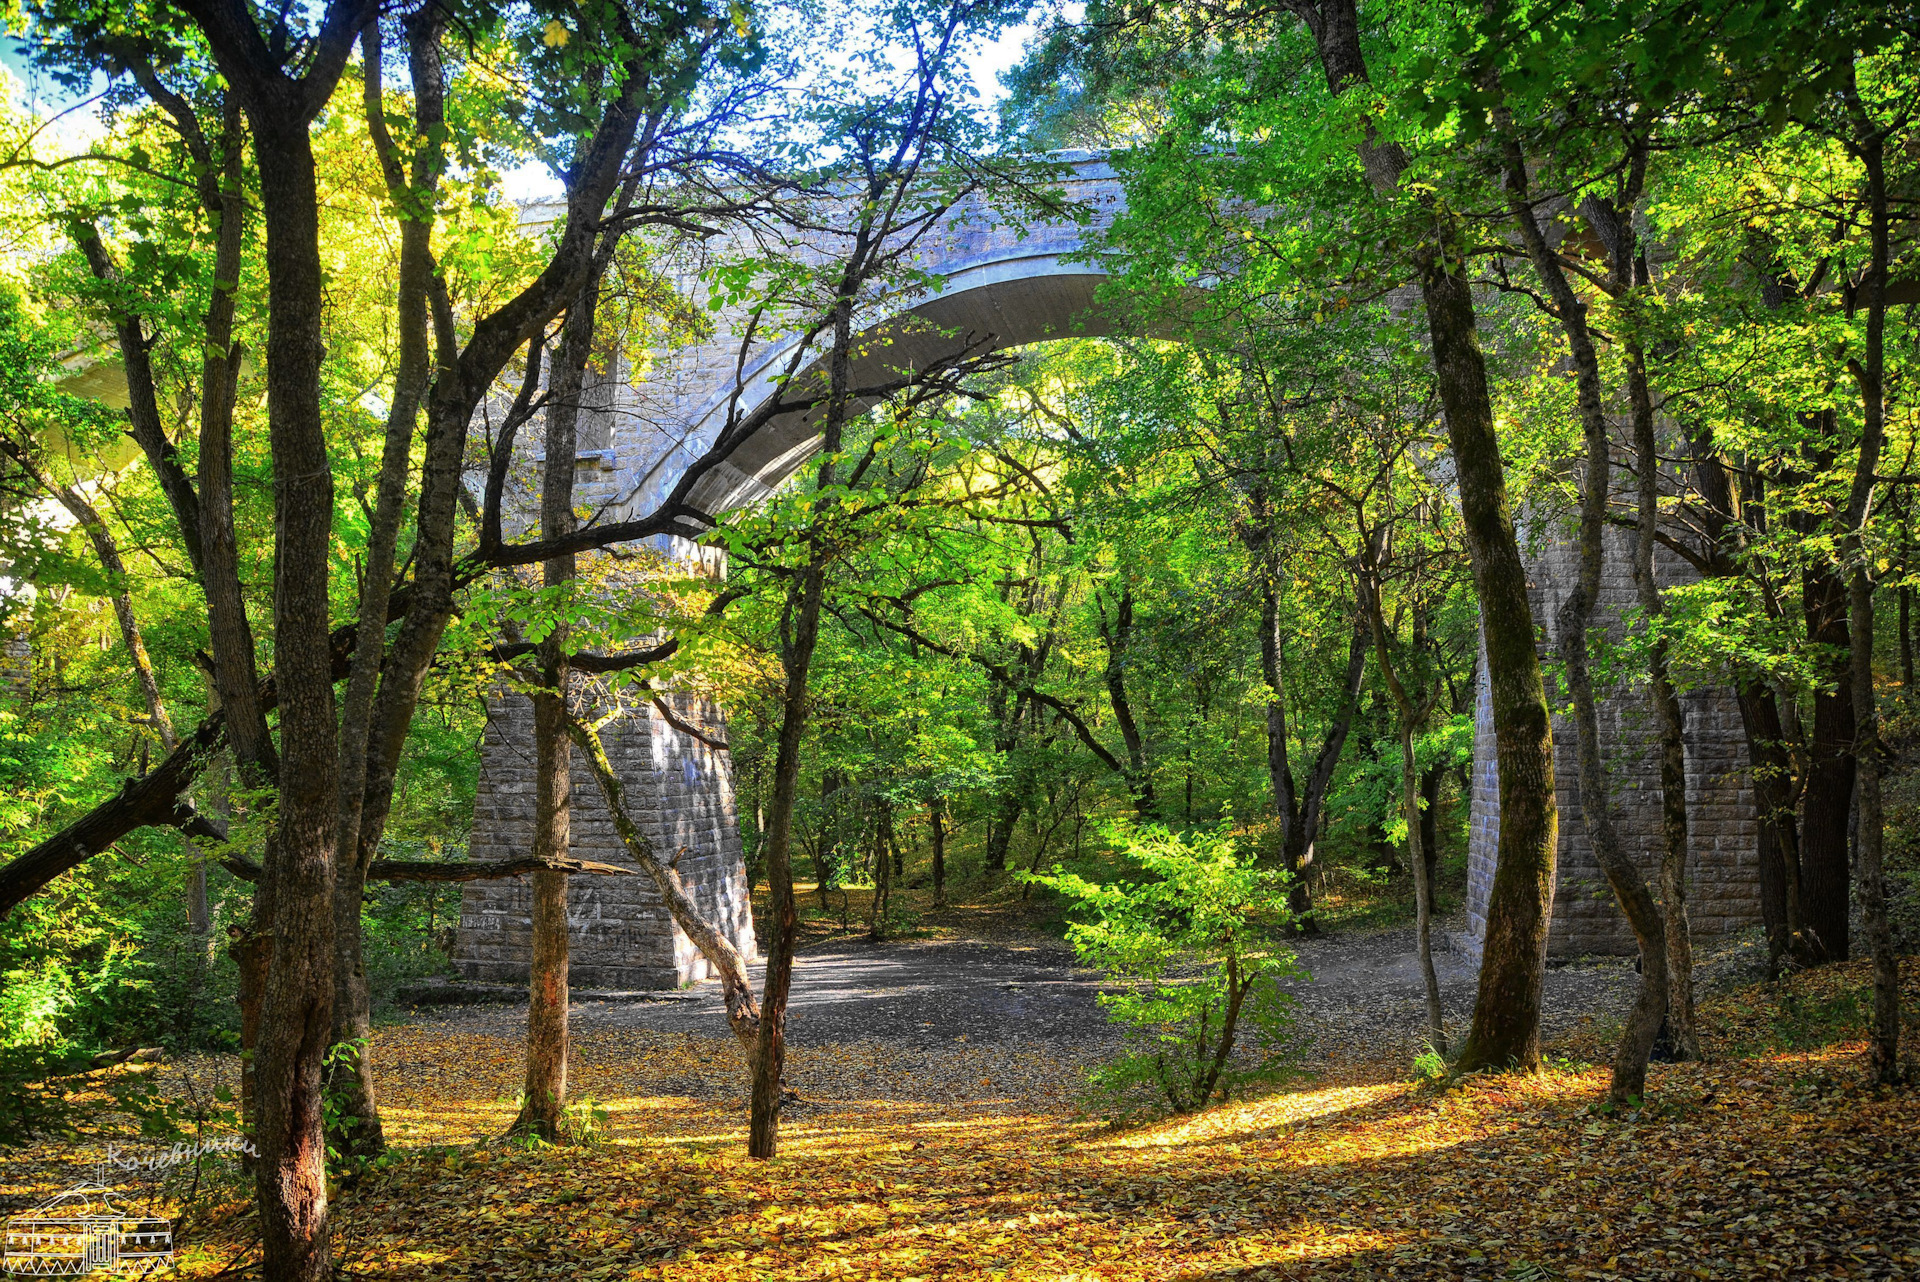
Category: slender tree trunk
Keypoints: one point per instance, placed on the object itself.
(800, 636)
(827, 845)
(1119, 637)
(351, 1080)
(938, 823)
(1279, 768)
(883, 879)
(1430, 782)
(1297, 817)
(1870, 374)
(1229, 1025)
(1771, 768)
(1422, 890)
(1827, 798)
(544, 1096)
(736, 989)
(1576, 617)
(1372, 545)
(1906, 641)
(1883, 1052)
(769, 1061)
(1676, 845)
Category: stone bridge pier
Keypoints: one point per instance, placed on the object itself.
(639, 433)
(679, 792)
(1723, 824)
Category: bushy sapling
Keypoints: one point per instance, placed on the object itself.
(1197, 931)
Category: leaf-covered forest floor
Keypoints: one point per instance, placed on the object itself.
(946, 1158)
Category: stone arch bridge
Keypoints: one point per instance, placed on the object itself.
(638, 435)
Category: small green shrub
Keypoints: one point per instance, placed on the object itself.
(34, 1101)
(1196, 931)
(584, 1121)
(1805, 1023)
(1428, 1066)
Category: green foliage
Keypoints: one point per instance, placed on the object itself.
(1194, 933)
(34, 1094)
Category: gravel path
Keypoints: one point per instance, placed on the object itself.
(1364, 999)
(1366, 996)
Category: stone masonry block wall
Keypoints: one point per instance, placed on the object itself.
(680, 793)
(1723, 833)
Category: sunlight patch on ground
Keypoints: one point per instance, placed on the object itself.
(1780, 1165)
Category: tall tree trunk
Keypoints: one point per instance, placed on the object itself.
(1870, 374)
(800, 636)
(1410, 716)
(351, 1082)
(1676, 845)
(544, 1096)
(296, 1017)
(1506, 1011)
(1576, 617)
(1827, 797)
(937, 822)
(770, 1051)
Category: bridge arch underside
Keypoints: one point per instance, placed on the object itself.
(999, 303)
(683, 791)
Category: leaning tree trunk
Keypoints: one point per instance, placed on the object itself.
(736, 989)
(1576, 617)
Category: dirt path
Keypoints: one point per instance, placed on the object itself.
(1364, 998)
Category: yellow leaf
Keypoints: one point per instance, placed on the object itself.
(556, 35)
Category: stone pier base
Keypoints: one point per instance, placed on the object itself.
(678, 790)
(1723, 829)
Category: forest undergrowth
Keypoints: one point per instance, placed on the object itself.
(1772, 1159)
